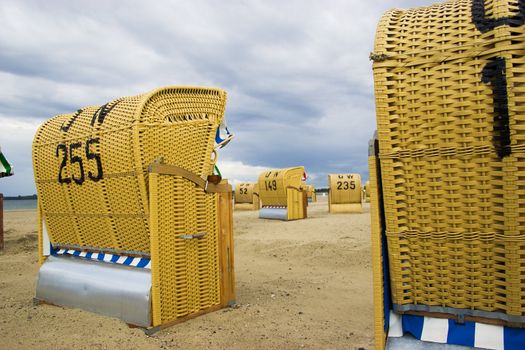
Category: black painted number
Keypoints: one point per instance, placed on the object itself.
(61, 179)
(244, 190)
(76, 163)
(75, 159)
(345, 185)
(494, 74)
(494, 71)
(271, 185)
(90, 155)
(484, 24)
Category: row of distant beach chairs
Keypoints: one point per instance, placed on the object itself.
(283, 194)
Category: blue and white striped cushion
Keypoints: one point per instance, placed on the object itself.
(445, 331)
(105, 257)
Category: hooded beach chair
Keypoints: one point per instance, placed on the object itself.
(344, 193)
(247, 196)
(446, 174)
(282, 194)
(133, 223)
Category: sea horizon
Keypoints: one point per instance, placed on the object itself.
(19, 204)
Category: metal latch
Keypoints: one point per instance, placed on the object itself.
(194, 236)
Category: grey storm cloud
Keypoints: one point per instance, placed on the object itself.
(299, 82)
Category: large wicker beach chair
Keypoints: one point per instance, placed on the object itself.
(132, 224)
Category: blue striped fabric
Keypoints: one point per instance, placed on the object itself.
(105, 257)
(473, 334)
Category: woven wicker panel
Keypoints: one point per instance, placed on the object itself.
(377, 257)
(296, 203)
(274, 183)
(185, 270)
(451, 189)
(107, 205)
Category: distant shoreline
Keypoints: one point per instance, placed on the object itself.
(16, 204)
(10, 198)
(18, 209)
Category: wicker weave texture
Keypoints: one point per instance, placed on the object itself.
(185, 248)
(273, 185)
(91, 166)
(446, 79)
(377, 257)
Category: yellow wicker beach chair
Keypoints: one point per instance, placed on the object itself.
(310, 192)
(138, 226)
(247, 196)
(344, 193)
(450, 88)
(282, 194)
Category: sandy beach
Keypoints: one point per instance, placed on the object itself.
(303, 284)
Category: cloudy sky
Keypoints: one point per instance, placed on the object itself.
(299, 82)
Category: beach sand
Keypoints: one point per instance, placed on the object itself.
(303, 284)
